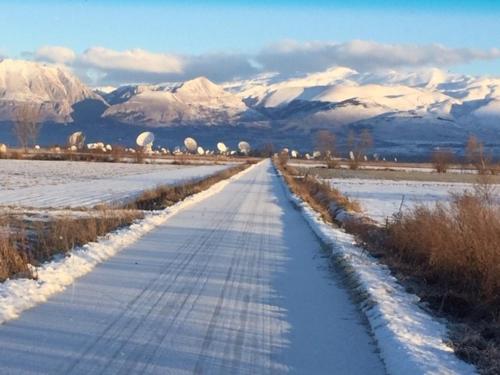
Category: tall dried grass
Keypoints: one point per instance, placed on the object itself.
(320, 195)
(455, 244)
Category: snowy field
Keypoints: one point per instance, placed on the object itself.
(382, 198)
(59, 184)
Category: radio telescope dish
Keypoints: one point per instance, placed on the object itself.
(77, 139)
(221, 147)
(244, 147)
(200, 150)
(190, 144)
(295, 154)
(145, 139)
(3, 148)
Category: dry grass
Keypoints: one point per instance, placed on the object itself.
(456, 245)
(12, 262)
(25, 242)
(65, 233)
(319, 195)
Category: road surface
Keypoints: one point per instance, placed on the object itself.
(236, 284)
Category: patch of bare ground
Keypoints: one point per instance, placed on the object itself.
(447, 254)
(28, 239)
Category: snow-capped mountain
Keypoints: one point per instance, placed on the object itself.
(426, 105)
(342, 96)
(53, 89)
(195, 102)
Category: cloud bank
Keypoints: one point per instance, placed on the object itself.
(287, 57)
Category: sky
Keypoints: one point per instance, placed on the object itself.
(110, 42)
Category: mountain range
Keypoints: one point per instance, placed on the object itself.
(426, 107)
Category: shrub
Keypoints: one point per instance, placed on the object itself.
(441, 160)
(455, 244)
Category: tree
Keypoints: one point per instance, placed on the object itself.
(358, 144)
(324, 141)
(441, 160)
(475, 155)
(27, 125)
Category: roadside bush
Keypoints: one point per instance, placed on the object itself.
(320, 195)
(441, 160)
(456, 245)
(11, 261)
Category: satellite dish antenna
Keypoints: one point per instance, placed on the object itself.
(76, 139)
(295, 154)
(244, 147)
(145, 140)
(200, 150)
(221, 147)
(3, 148)
(191, 144)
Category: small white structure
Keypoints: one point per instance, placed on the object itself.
(77, 139)
(3, 148)
(244, 147)
(145, 141)
(221, 147)
(200, 150)
(191, 144)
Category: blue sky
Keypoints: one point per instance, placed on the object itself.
(194, 28)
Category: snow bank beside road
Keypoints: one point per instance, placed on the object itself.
(17, 295)
(410, 340)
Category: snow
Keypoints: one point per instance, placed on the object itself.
(54, 88)
(197, 101)
(234, 284)
(380, 199)
(57, 184)
(410, 340)
(17, 295)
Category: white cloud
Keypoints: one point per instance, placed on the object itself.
(55, 54)
(291, 56)
(134, 60)
(108, 66)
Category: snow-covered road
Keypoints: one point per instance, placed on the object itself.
(235, 284)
